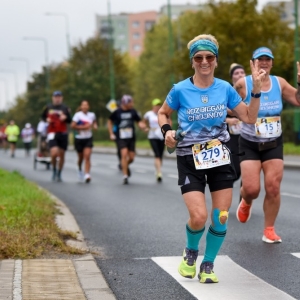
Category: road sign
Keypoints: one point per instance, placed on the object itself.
(112, 105)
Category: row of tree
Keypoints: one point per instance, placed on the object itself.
(238, 27)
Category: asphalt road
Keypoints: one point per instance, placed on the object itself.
(132, 225)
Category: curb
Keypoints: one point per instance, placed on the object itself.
(90, 276)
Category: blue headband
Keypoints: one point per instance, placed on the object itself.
(203, 45)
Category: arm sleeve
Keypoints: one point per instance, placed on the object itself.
(68, 114)
(172, 99)
(137, 117)
(234, 99)
(75, 118)
(112, 117)
(146, 116)
(45, 114)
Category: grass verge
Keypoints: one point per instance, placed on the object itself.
(291, 149)
(27, 220)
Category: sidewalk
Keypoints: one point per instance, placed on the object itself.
(55, 279)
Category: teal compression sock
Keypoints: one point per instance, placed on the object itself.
(214, 241)
(193, 237)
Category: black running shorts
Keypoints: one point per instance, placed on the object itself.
(60, 140)
(158, 147)
(253, 152)
(190, 179)
(80, 144)
(126, 143)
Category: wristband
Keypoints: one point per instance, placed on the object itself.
(165, 128)
(255, 95)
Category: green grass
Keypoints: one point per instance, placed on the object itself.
(288, 149)
(27, 220)
(291, 149)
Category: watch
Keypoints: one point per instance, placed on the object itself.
(255, 95)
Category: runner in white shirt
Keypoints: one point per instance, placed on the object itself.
(83, 122)
(155, 137)
(27, 134)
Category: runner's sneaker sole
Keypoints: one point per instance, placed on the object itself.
(237, 215)
(266, 240)
(125, 181)
(208, 280)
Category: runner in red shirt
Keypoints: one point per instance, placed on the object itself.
(58, 116)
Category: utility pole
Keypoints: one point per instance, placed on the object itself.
(296, 41)
(110, 51)
(171, 46)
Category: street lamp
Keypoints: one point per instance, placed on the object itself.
(296, 39)
(65, 16)
(46, 59)
(24, 60)
(15, 77)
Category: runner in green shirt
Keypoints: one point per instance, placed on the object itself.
(12, 131)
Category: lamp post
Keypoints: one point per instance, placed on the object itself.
(46, 60)
(111, 61)
(65, 16)
(171, 46)
(23, 60)
(296, 39)
(15, 78)
(5, 90)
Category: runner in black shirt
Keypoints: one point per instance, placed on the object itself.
(124, 118)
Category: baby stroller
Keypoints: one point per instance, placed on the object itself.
(42, 154)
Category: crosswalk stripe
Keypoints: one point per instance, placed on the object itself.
(296, 254)
(290, 195)
(235, 282)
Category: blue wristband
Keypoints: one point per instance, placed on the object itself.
(255, 95)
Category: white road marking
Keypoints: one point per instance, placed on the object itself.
(140, 171)
(290, 195)
(172, 176)
(296, 254)
(235, 282)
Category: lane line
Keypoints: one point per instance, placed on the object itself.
(296, 254)
(290, 195)
(172, 176)
(236, 283)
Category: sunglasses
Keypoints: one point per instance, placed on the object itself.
(200, 58)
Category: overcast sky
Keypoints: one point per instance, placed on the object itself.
(21, 18)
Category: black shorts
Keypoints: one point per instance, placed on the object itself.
(252, 151)
(126, 143)
(60, 140)
(80, 144)
(158, 147)
(27, 146)
(190, 179)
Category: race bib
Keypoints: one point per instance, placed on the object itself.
(210, 155)
(126, 133)
(268, 127)
(235, 129)
(50, 136)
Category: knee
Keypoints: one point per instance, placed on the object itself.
(198, 220)
(273, 189)
(220, 219)
(250, 192)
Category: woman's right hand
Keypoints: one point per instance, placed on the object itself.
(258, 76)
(170, 139)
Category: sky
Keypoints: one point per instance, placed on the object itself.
(27, 18)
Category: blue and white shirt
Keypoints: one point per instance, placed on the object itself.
(270, 106)
(202, 111)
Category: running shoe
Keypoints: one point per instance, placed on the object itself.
(159, 177)
(125, 180)
(187, 267)
(87, 178)
(270, 236)
(207, 274)
(243, 212)
(80, 176)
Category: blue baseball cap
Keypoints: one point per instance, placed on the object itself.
(261, 52)
(57, 93)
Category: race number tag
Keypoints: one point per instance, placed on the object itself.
(210, 155)
(126, 133)
(235, 129)
(50, 136)
(268, 127)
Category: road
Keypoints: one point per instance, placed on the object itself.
(139, 232)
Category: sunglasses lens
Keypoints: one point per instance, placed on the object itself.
(199, 59)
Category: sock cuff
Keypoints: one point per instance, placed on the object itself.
(216, 232)
(191, 231)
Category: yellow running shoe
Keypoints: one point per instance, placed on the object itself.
(206, 274)
(187, 267)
